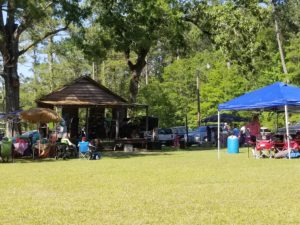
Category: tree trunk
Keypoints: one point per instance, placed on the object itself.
(12, 87)
(280, 48)
(10, 54)
(134, 85)
(136, 70)
(50, 62)
(147, 73)
(12, 93)
(35, 74)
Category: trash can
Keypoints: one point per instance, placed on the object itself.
(232, 144)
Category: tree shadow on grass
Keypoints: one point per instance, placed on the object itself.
(108, 154)
(193, 148)
(39, 160)
(124, 155)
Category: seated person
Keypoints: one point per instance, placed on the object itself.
(67, 148)
(85, 146)
(67, 141)
(43, 149)
(20, 146)
(53, 138)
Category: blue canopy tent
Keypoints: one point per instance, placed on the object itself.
(275, 97)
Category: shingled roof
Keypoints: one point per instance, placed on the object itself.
(83, 92)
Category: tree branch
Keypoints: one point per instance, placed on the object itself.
(127, 58)
(27, 20)
(10, 15)
(1, 18)
(42, 38)
(127, 54)
(141, 62)
(2, 32)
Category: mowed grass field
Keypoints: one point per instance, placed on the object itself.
(170, 187)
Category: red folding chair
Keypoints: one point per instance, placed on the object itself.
(264, 149)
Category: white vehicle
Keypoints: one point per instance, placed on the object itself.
(165, 136)
(265, 132)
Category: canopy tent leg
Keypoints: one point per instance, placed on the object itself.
(218, 134)
(287, 129)
(276, 121)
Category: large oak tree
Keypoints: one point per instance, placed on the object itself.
(38, 19)
(138, 25)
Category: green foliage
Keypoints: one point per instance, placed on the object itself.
(136, 24)
(93, 40)
(216, 83)
(160, 104)
(115, 75)
(28, 94)
(175, 97)
(293, 59)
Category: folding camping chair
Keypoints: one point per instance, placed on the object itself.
(84, 151)
(264, 149)
(65, 149)
(7, 150)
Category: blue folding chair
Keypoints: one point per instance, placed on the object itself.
(84, 151)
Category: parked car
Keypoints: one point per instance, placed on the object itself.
(180, 131)
(293, 129)
(165, 136)
(199, 135)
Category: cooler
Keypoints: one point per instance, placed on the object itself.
(232, 144)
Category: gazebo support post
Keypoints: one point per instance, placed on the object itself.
(147, 126)
(39, 142)
(218, 134)
(287, 129)
(87, 123)
(147, 120)
(117, 124)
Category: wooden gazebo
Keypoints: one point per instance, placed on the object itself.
(85, 92)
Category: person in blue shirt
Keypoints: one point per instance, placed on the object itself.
(236, 131)
(86, 147)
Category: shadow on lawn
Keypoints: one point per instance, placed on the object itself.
(108, 154)
(190, 148)
(30, 160)
(124, 155)
(165, 151)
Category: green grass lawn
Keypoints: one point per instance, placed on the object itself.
(170, 187)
